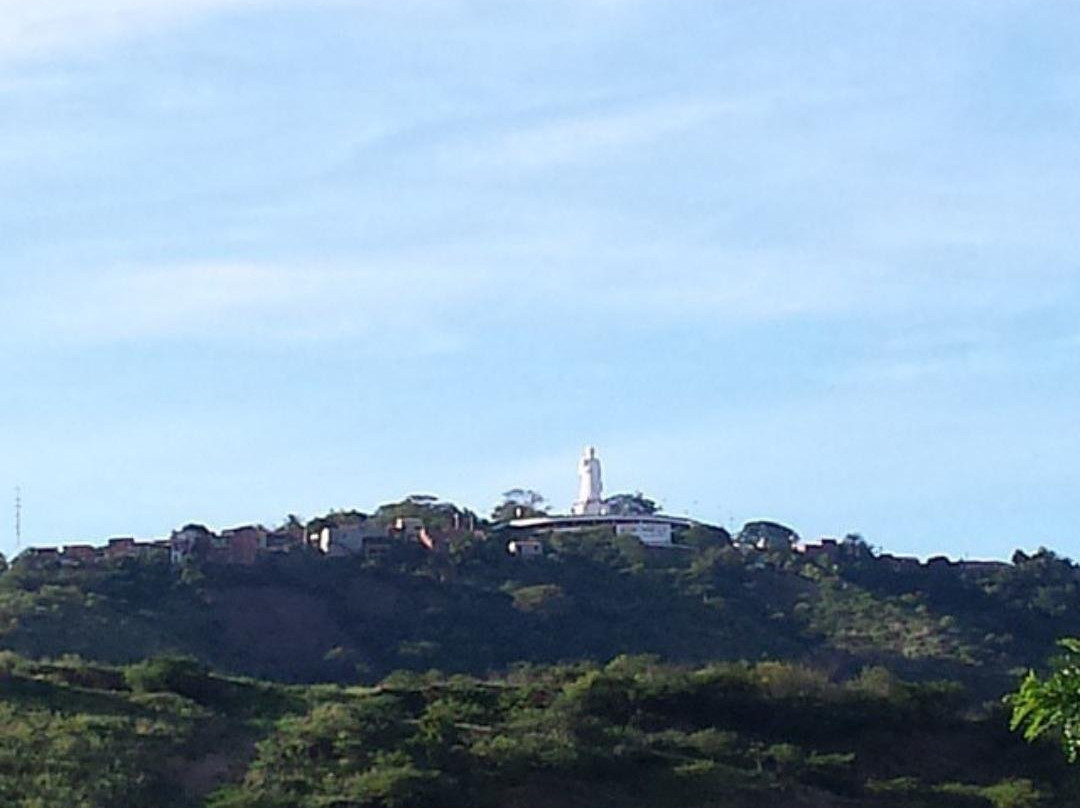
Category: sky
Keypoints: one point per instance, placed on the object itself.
(813, 261)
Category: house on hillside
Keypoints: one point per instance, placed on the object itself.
(650, 534)
(828, 549)
(941, 566)
(525, 549)
(983, 567)
(121, 548)
(79, 554)
(41, 556)
(433, 540)
(283, 541)
(190, 542)
(376, 549)
(440, 540)
(339, 540)
(240, 545)
(900, 563)
(408, 528)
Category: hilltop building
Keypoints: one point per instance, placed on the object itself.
(589, 512)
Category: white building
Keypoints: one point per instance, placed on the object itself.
(339, 541)
(654, 534)
(590, 513)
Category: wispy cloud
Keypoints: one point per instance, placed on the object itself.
(451, 293)
(232, 302)
(592, 137)
(31, 28)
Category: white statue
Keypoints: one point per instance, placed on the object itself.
(590, 500)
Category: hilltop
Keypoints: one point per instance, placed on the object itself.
(470, 607)
(411, 660)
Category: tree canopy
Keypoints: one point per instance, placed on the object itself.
(519, 503)
(1051, 705)
(636, 504)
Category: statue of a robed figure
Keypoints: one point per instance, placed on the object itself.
(590, 501)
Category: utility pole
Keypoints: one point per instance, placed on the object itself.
(18, 520)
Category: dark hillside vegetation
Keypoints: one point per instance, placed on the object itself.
(604, 674)
(169, 733)
(476, 610)
(156, 734)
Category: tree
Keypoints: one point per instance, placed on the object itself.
(177, 674)
(1041, 706)
(519, 503)
(704, 536)
(856, 545)
(336, 518)
(435, 513)
(767, 535)
(636, 504)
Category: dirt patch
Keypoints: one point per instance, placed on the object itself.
(276, 629)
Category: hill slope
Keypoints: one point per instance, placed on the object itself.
(169, 734)
(304, 618)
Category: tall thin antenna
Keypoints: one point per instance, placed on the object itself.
(18, 519)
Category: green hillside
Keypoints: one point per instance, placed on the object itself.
(169, 734)
(303, 618)
(604, 674)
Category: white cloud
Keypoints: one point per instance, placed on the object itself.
(33, 27)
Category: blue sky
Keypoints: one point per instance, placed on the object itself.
(813, 261)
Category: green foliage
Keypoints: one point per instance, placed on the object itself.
(519, 503)
(593, 596)
(629, 733)
(167, 732)
(703, 537)
(1052, 704)
(542, 599)
(185, 676)
(1010, 793)
(437, 514)
(78, 760)
(857, 620)
(64, 743)
(1020, 793)
(768, 535)
(1006, 794)
(636, 504)
(648, 731)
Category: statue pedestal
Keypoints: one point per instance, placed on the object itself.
(589, 508)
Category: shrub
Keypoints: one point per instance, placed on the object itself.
(546, 599)
(1013, 794)
(184, 676)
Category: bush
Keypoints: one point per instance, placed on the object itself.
(394, 781)
(184, 676)
(1013, 794)
(546, 599)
